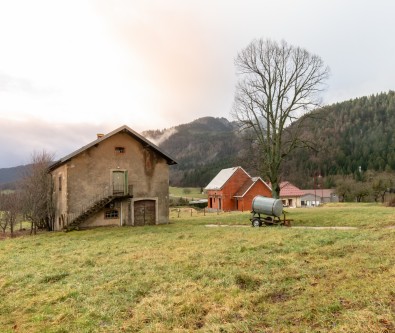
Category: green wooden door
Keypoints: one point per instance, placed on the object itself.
(119, 182)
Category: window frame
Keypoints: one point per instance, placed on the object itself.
(111, 214)
(119, 150)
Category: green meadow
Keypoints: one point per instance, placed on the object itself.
(188, 277)
(187, 192)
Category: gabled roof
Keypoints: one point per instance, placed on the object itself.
(289, 190)
(247, 186)
(122, 129)
(222, 177)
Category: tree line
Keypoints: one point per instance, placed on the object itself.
(365, 186)
(31, 200)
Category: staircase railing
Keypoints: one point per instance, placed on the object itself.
(106, 192)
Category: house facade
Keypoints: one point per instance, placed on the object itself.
(315, 197)
(290, 195)
(119, 179)
(233, 189)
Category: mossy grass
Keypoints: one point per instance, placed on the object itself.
(185, 277)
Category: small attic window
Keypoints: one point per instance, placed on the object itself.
(119, 150)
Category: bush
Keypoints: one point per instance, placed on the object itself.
(178, 201)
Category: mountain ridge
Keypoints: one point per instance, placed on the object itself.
(347, 136)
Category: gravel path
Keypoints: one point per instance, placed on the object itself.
(297, 227)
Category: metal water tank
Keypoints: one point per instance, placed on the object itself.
(268, 206)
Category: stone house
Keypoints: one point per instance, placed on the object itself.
(233, 189)
(120, 178)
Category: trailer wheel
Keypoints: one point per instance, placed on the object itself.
(256, 223)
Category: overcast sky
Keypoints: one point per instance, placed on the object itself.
(70, 69)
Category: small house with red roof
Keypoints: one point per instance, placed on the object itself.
(233, 189)
(290, 195)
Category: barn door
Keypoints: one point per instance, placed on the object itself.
(119, 181)
(144, 212)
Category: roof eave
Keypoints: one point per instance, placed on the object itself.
(122, 129)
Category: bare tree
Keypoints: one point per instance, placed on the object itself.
(3, 213)
(277, 84)
(10, 209)
(37, 188)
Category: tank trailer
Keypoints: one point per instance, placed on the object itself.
(272, 209)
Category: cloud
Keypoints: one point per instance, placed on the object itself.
(177, 59)
(23, 138)
(10, 83)
(72, 68)
(165, 135)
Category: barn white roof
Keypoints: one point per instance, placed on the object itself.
(221, 178)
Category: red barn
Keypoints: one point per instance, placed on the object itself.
(234, 189)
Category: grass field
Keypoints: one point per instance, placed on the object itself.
(187, 192)
(186, 277)
(362, 215)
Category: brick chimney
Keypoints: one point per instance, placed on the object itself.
(100, 135)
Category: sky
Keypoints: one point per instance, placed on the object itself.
(70, 69)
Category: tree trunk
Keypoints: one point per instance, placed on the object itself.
(33, 228)
(275, 190)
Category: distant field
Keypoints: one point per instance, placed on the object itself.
(362, 215)
(186, 277)
(187, 192)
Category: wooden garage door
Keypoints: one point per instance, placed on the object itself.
(144, 212)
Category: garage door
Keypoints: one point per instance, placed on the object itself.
(144, 212)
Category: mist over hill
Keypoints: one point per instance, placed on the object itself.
(345, 137)
(201, 148)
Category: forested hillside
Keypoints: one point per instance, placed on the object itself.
(347, 137)
(9, 176)
(344, 138)
(201, 148)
